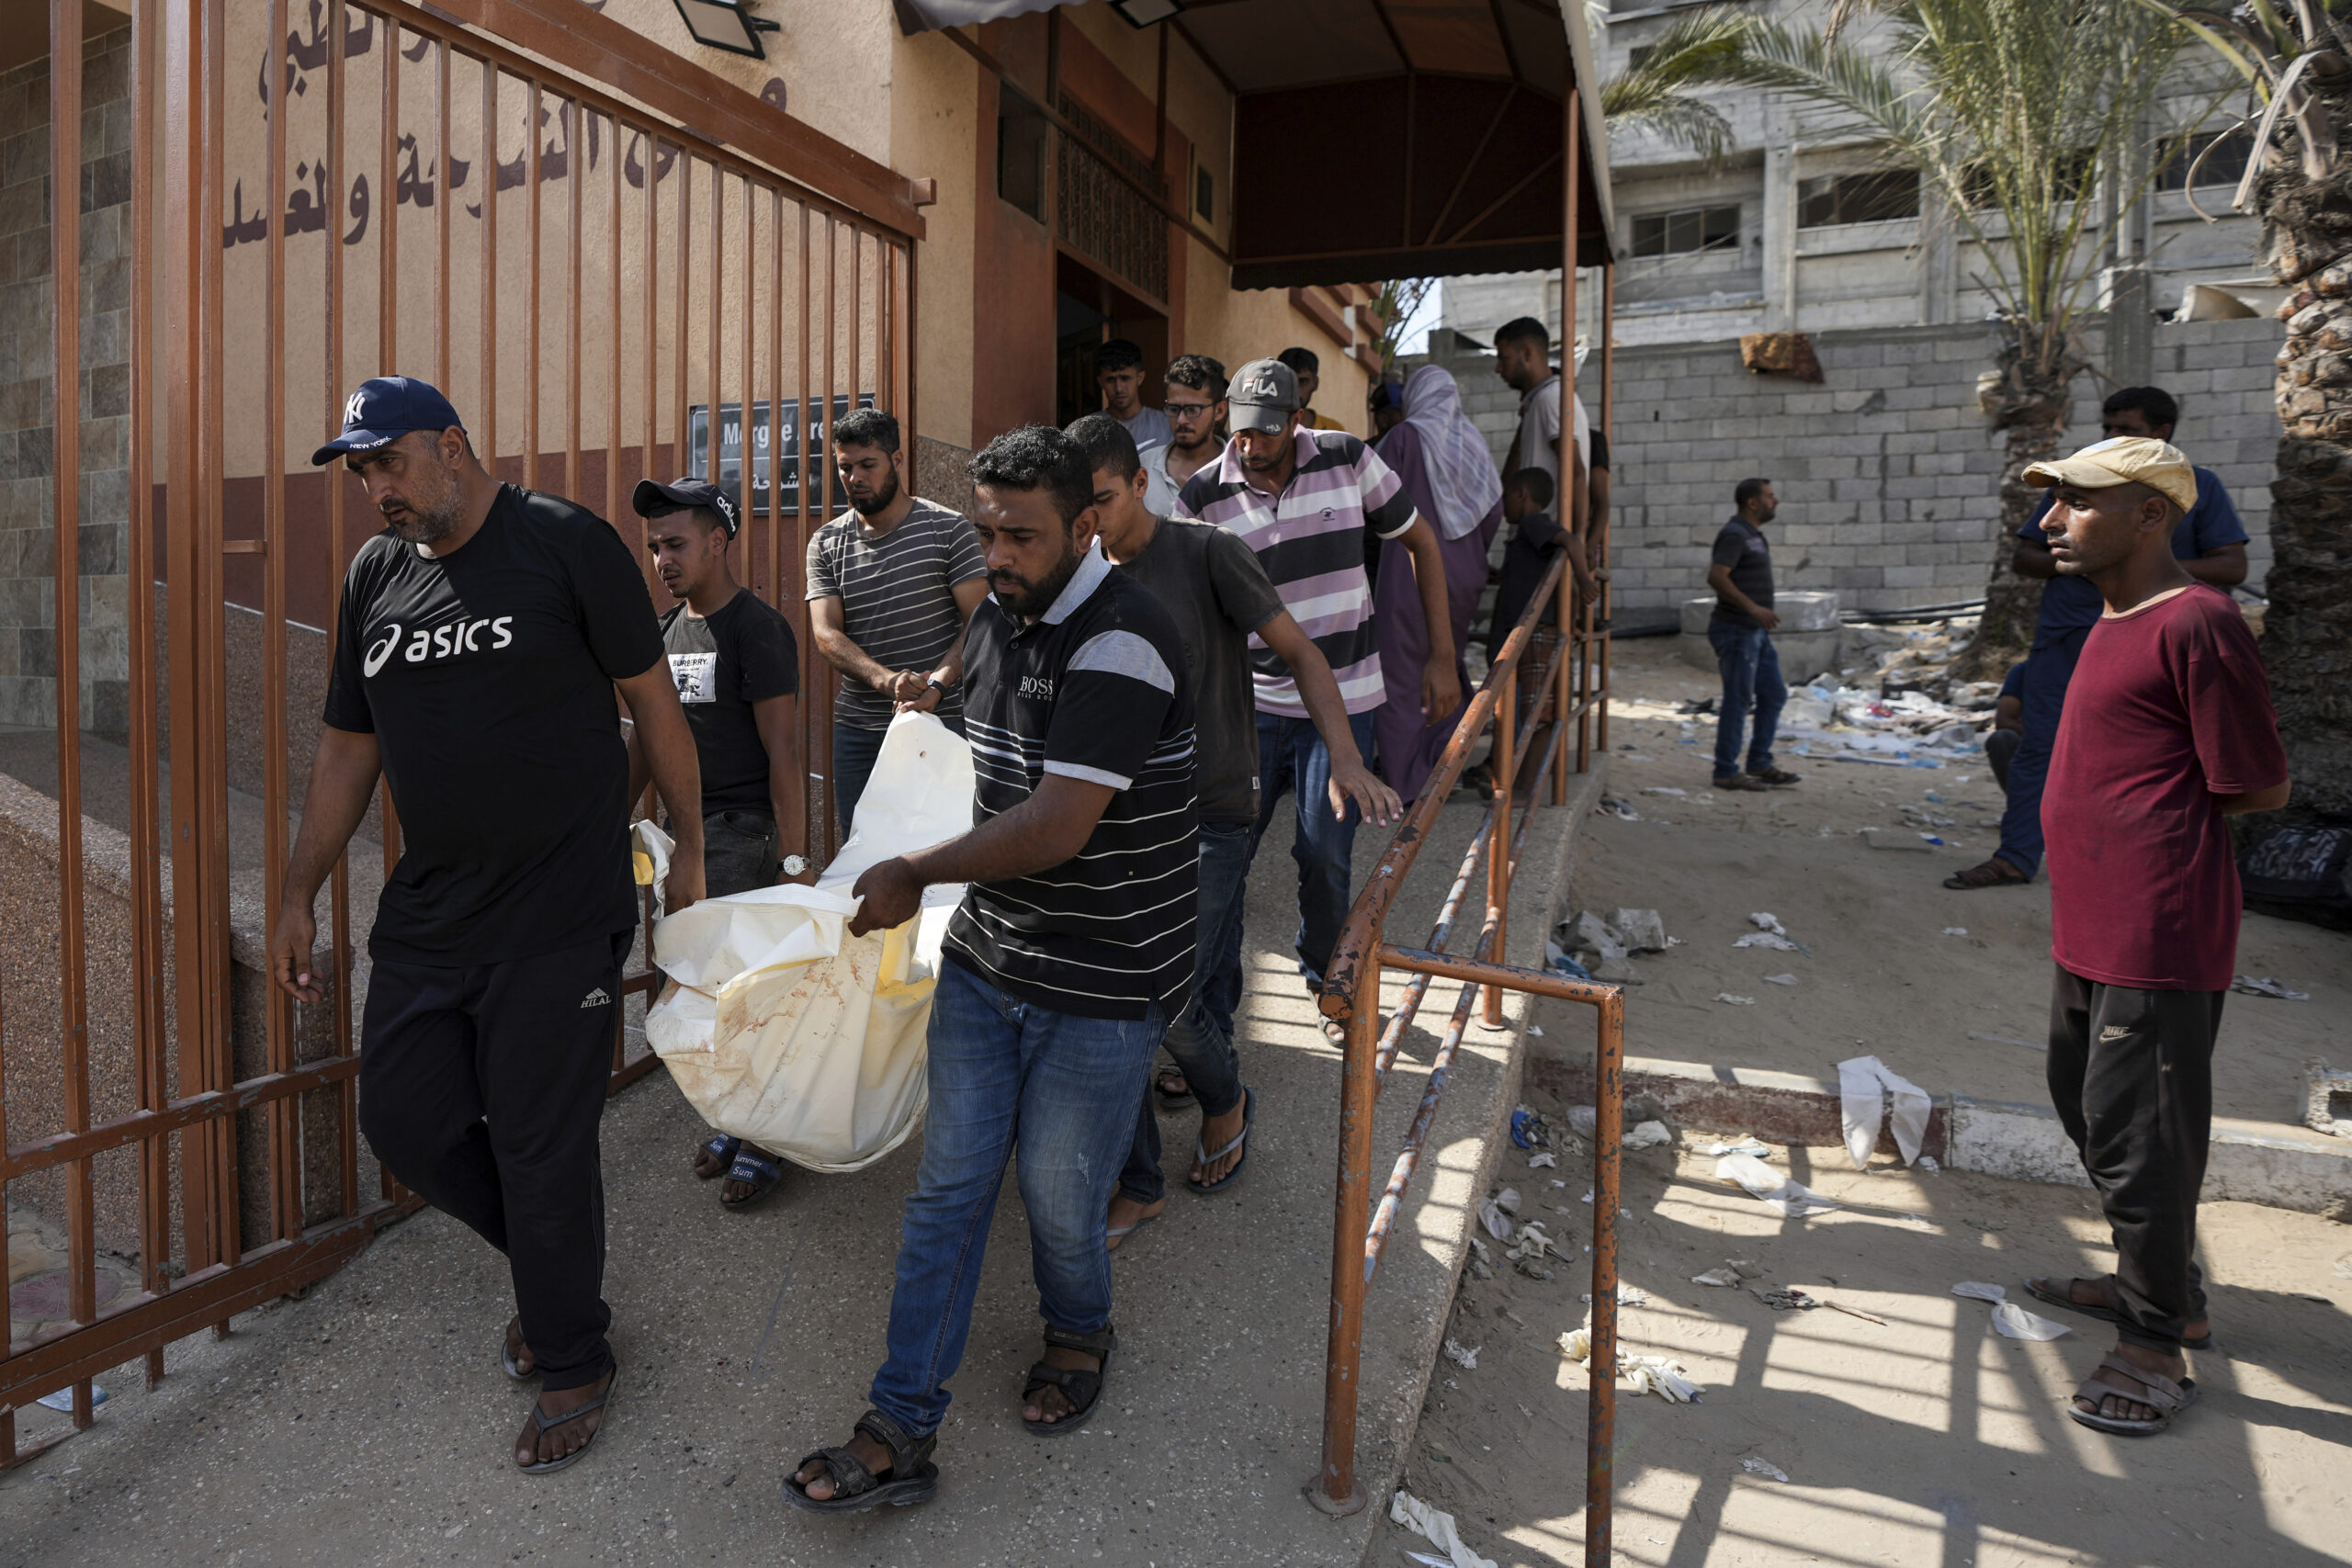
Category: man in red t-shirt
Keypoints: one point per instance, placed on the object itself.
(2168, 729)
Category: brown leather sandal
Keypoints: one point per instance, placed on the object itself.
(1994, 873)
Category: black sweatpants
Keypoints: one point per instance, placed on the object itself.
(2130, 1074)
(480, 1088)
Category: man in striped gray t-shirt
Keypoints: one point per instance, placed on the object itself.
(891, 583)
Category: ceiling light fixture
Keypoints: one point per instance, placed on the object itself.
(1144, 13)
(725, 24)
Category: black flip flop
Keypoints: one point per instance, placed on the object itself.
(722, 1148)
(2058, 1298)
(1080, 1386)
(547, 1424)
(914, 1478)
(1172, 1101)
(506, 1357)
(1241, 1141)
(762, 1172)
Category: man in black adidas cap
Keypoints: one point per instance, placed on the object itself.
(737, 668)
(478, 646)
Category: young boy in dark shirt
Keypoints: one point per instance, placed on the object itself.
(1534, 535)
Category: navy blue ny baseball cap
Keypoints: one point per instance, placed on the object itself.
(653, 499)
(385, 409)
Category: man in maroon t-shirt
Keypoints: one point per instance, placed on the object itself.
(2168, 729)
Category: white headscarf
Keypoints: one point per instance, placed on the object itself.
(1464, 485)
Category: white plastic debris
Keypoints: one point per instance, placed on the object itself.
(1627, 1295)
(1497, 1224)
(1927, 1163)
(1865, 1085)
(1773, 940)
(1742, 1145)
(1779, 979)
(1789, 1199)
(1532, 1244)
(1977, 1289)
(1535, 1030)
(1436, 1527)
(1663, 789)
(1955, 930)
(2014, 1321)
(1463, 1355)
(2267, 986)
(1543, 1159)
(1765, 921)
(1670, 1380)
(1583, 1119)
(1763, 1467)
(1648, 1136)
(1726, 1276)
(1736, 1002)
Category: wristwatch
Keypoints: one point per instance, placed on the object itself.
(792, 866)
(936, 685)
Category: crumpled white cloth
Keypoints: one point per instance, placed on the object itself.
(1865, 1085)
(1436, 1527)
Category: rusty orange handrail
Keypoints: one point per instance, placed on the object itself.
(1351, 995)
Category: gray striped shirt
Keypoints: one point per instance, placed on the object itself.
(897, 598)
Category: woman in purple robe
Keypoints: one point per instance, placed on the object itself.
(1444, 465)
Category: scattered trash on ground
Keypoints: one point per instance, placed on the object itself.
(1529, 1130)
(1767, 921)
(1465, 1357)
(1640, 930)
(1535, 1030)
(1779, 979)
(1547, 1160)
(1791, 1300)
(1735, 1001)
(1497, 1219)
(1437, 1529)
(1865, 1085)
(1583, 1121)
(1482, 1262)
(1742, 1145)
(1955, 930)
(1788, 1199)
(1627, 1296)
(2008, 1040)
(1611, 807)
(1776, 942)
(1662, 789)
(2013, 1322)
(63, 1399)
(1670, 1380)
(1725, 1277)
(1763, 1467)
(1927, 1163)
(1648, 1136)
(1559, 963)
(1979, 1291)
(2267, 986)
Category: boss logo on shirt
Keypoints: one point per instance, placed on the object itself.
(1038, 686)
(431, 646)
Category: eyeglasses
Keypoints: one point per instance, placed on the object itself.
(1186, 411)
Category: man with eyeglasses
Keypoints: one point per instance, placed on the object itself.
(1196, 408)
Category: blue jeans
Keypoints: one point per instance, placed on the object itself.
(1202, 1037)
(1292, 757)
(853, 752)
(2049, 669)
(1006, 1073)
(1751, 678)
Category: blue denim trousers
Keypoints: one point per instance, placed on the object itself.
(2049, 671)
(1751, 672)
(854, 751)
(1006, 1073)
(1201, 1040)
(1291, 758)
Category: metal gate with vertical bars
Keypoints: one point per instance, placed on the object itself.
(604, 293)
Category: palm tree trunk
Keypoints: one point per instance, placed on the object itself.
(2307, 632)
(2035, 370)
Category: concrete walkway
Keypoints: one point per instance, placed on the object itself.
(369, 1423)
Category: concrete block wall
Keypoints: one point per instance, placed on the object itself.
(1888, 475)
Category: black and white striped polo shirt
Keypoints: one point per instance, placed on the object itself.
(1094, 689)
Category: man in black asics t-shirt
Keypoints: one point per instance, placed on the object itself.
(735, 665)
(478, 645)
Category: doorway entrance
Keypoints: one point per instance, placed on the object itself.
(1089, 311)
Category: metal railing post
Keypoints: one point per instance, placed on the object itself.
(1600, 1420)
(1503, 763)
(1335, 1490)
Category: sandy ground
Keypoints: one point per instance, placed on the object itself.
(1927, 1439)
(1884, 977)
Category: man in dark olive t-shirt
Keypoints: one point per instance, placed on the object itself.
(2168, 731)
(1740, 572)
(733, 661)
(478, 647)
(1214, 588)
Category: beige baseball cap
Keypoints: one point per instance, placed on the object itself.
(2127, 459)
